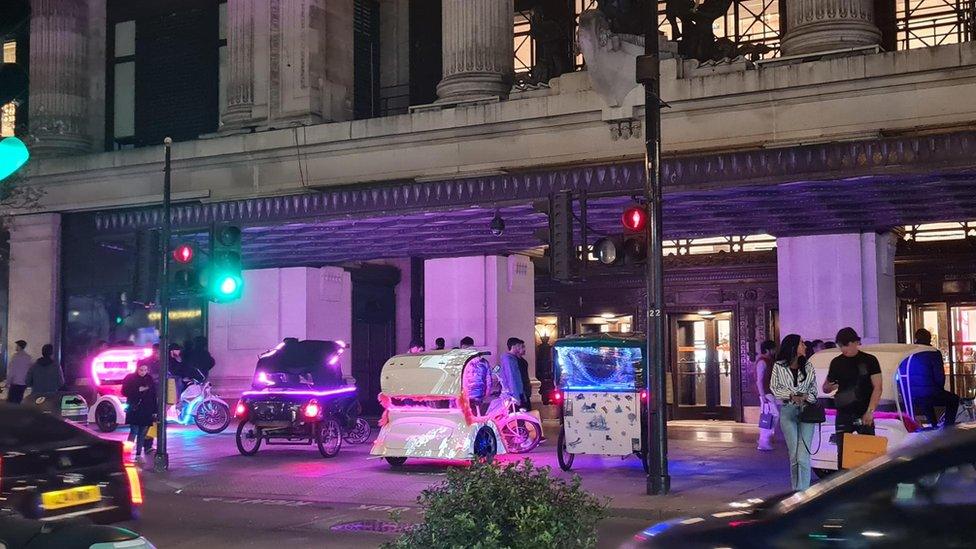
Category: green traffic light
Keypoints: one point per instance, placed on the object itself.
(13, 155)
(228, 286)
(119, 320)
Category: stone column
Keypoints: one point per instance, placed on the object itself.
(827, 282)
(35, 281)
(59, 77)
(240, 64)
(478, 49)
(814, 26)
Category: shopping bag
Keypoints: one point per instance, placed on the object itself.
(151, 432)
(859, 449)
(171, 396)
(766, 418)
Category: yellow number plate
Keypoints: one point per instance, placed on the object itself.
(71, 497)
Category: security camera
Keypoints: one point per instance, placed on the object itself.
(497, 225)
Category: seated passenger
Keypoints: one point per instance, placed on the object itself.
(477, 384)
(927, 382)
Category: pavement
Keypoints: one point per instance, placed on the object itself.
(289, 496)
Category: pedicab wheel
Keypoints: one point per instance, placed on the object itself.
(395, 461)
(106, 418)
(360, 432)
(562, 453)
(485, 445)
(212, 417)
(520, 436)
(248, 438)
(823, 473)
(328, 437)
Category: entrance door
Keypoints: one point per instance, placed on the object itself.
(701, 365)
(953, 329)
(373, 336)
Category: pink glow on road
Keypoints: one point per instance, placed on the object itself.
(350, 389)
(115, 364)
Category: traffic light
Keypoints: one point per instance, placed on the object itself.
(186, 270)
(559, 235)
(13, 155)
(629, 248)
(225, 281)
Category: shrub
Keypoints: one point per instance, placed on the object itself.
(511, 506)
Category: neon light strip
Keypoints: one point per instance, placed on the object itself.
(300, 393)
(599, 389)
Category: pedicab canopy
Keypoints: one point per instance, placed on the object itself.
(605, 362)
(431, 374)
(293, 363)
(895, 359)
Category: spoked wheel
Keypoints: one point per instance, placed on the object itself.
(360, 432)
(520, 436)
(396, 461)
(105, 417)
(212, 417)
(485, 445)
(248, 438)
(562, 453)
(328, 437)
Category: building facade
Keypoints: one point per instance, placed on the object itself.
(366, 146)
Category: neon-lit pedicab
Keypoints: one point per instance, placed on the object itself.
(197, 403)
(599, 387)
(427, 413)
(897, 417)
(298, 397)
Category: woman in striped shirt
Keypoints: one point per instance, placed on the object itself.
(794, 383)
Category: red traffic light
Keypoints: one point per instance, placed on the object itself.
(183, 253)
(634, 218)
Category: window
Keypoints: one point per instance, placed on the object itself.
(954, 230)
(8, 112)
(720, 244)
(923, 23)
(524, 45)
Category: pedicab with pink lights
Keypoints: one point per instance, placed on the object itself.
(427, 413)
(298, 397)
(108, 369)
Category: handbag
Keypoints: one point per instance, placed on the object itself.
(813, 413)
(765, 418)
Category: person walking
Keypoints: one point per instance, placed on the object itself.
(794, 383)
(767, 402)
(139, 390)
(45, 376)
(523, 366)
(20, 364)
(927, 383)
(508, 371)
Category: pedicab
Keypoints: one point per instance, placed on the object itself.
(895, 418)
(600, 390)
(298, 397)
(108, 369)
(427, 413)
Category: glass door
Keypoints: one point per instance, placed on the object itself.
(962, 356)
(701, 365)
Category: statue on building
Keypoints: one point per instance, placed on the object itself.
(551, 47)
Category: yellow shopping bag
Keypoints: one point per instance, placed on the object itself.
(171, 396)
(860, 449)
(151, 433)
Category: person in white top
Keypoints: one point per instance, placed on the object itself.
(794, 383)
(767, 402)
(17, 370)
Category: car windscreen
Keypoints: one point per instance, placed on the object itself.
(22, 427)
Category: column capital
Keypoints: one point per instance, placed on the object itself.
(814, 26)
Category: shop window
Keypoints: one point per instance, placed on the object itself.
(8, 112)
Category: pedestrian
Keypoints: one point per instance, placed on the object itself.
(511, 376)
(927, 384)
(818, 345)
(856, 378)
(416, 346)
(439, 344)
(523, 366)
(20, 364)
(467, 342)
(767, 402)
(477, 385)
(830, 345)
(200, 362)
(139, 390)
(45, 376)
(794, 383)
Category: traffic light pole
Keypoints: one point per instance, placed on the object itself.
(655, 428)
(161, 460)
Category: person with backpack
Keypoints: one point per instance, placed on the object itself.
(794, 383)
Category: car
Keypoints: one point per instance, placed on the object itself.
(921, 491)
(52, 469)
(17, 532)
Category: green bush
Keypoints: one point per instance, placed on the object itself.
(512, 506)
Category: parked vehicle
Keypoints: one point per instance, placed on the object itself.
(200, 405)
(108, 369)
(298, 396)
(895, 418)
(17, 532)
(428, 415)
(919, 494)
(52, 469)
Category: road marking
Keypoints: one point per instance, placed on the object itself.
(274, 502)
(383, 508)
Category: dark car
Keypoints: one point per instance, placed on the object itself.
(921, 495)
(298, 396)
(17, 532)
(51, 469)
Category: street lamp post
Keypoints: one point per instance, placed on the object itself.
(648, 74)
(161, 460)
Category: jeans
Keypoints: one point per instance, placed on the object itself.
(943, 398)
(15, 393)
(798, 437)
(137, 433)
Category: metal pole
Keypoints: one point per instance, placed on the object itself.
(656, 436)
(161, 460)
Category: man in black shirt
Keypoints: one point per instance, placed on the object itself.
(856, 376)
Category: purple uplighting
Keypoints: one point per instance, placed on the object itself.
(299, 392)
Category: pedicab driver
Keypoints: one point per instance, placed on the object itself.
(856, 376)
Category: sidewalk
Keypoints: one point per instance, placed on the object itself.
(711, 464)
